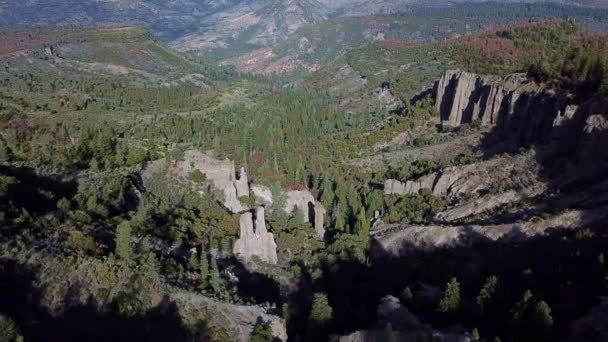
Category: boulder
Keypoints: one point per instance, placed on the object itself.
(255, 240)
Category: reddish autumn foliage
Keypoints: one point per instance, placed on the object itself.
(494, 46)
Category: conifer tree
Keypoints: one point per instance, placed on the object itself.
(215, 280)
(321, 312)
(123, 240)
(450, 301)
(487, 293)
(203, 271)
(363, 227)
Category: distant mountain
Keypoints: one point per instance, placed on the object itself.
(239, 32)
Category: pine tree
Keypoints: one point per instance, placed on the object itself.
(475, 334)
(327, 192)
(123, 240)
(203, 271)
(487, 293)
(321, 312)
(543, 321)
(363, 227)
(450, 301)
(215, 280)
(261, 332)
(407, 296)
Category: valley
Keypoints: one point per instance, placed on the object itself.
(303, 170)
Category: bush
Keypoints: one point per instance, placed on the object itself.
(9, 331)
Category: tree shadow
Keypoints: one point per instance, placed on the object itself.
(21, 301)
(32, 191)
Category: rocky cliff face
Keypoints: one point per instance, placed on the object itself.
(254, 239)
(558, 177)
(463, 97)
(312, 210)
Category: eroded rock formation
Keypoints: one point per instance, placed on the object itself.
(312, 210)
(393, 240)
(464, 97)
(255, 240)
(220, 176)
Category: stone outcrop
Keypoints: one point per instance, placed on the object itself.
(518, 173)
(242, 184)
(220, 177)
(262, 194)
(518, 108)
(463, 97)
(255, 240)
(312, 210)
(406, 327)
(393, 240)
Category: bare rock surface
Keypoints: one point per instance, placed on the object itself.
(312, 211)
(393, 240)
(262, 194)
(518, 172)
(219, 174)
(255, 240)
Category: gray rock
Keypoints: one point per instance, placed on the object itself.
(319, 218)
(312, 210)
(255, 242)
(242, 184)
(391, 311)
(262, 194)
(393, 240)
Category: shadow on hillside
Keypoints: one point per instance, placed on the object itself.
(556, 267)
(21, 301)
(32, 189)
(569, 148)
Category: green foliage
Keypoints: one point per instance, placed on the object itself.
(407, 296)
(123, 240)
(82, 243)
(487, 293)
(204, 271)
(216, 283)
(414, 208)
(450, 301)
(197, 176)
(9, 331)
(261, 333)
(321, 312)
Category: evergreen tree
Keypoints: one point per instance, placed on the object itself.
(327, 192)
(123, 240)
(487, 293)
(321, 312)
(203, 271)
(450, 301)
(363, 227)
(261, 332)
(215, 280)
(543, 321)
(407, 296)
